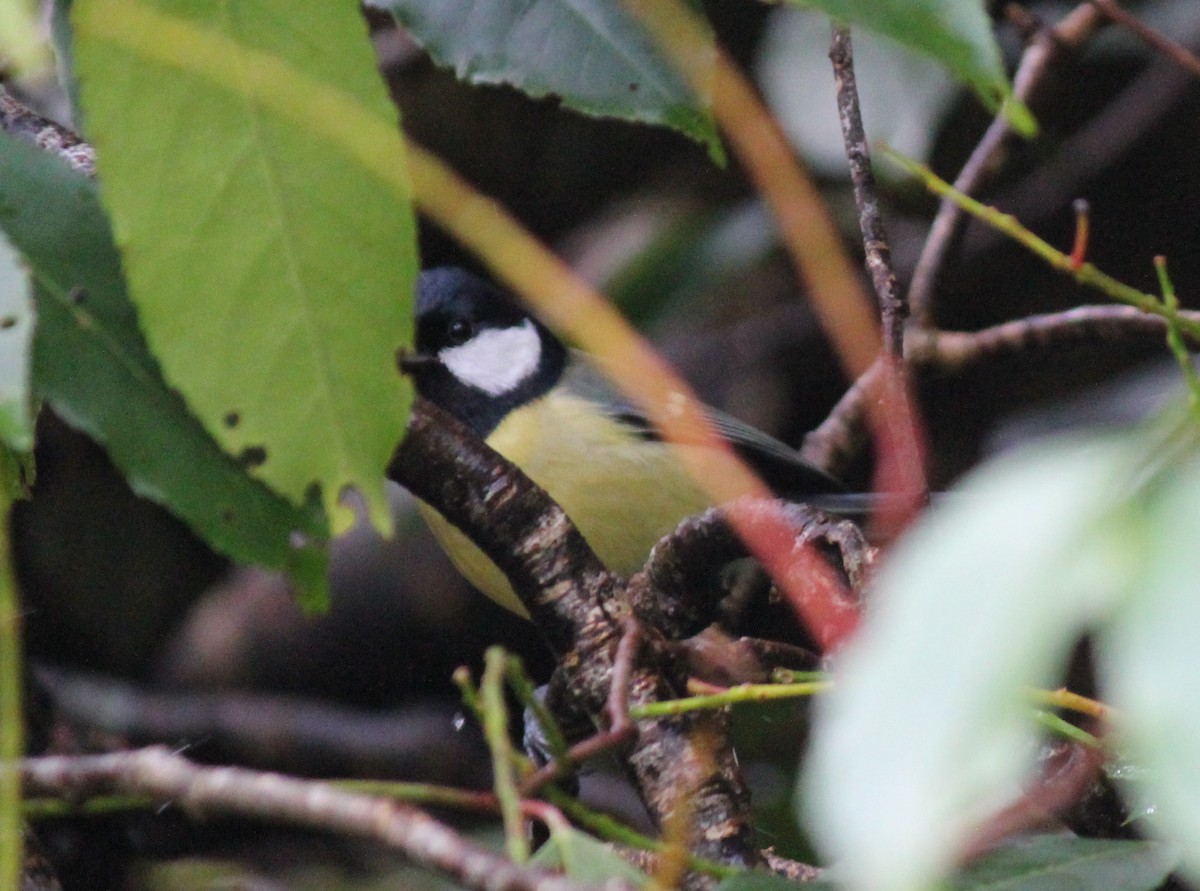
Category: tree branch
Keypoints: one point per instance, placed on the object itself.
(18, 120)
(685, 761)
(209, 791)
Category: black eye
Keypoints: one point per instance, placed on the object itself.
(459, 331)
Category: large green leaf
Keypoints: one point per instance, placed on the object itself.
(592, 54)
(928, 731)
(16, 333)
(1063, 862)
(1040, 863)
(1150, 666)
(252, 165)
(956, 33)
(91, 364)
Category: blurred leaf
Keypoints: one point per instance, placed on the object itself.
(271, 263)
(928, 732)
(1150, 667)
(21, 46)
(16, 333)
(91, 364)
(584, 859)
(1064, 862)
(955, 33)
(592, 54)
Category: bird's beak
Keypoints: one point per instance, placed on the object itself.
(412, 363)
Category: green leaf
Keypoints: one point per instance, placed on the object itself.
(928, 732)
(1065, 863)
(91, 364)
(253, 168)
(16, 333)
(593, 54)
(956, 33)
(1150, 667)
(584, 859)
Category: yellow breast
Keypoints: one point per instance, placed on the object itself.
(623, 495)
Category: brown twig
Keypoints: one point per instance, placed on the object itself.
(893, 308)
(1173, 50)
(892, 416)
(165, 777)
(956, 350)
(839, 437)
(1040, 57)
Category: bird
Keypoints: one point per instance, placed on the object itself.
(483, 358)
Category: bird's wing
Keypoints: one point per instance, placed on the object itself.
(780, 466)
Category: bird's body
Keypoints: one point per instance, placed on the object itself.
(483, 359)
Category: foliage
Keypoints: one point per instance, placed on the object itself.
(623, 72)
(983, 601)
(225, 323)
(233, 159)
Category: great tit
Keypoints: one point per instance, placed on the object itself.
(484, 359)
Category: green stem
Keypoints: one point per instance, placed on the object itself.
(732, 696)
(12, 731)
(611, 830)
(1066, 728)
(495, 731)
(1085, 274)
(1175, 336)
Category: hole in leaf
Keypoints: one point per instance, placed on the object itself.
(252, 456)
(232, 419)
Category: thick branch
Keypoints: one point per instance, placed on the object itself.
(678, 591)
(568, 592)
(207, 791)
(18, 120)
(679, 762)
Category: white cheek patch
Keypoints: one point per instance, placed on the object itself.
(497, 360)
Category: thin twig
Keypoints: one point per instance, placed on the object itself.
(1039, 58)
(954, 351)
(836, 441)
(899, 454)
(210, 791)
(806, 227)
(1172, 49)
(893, 308)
